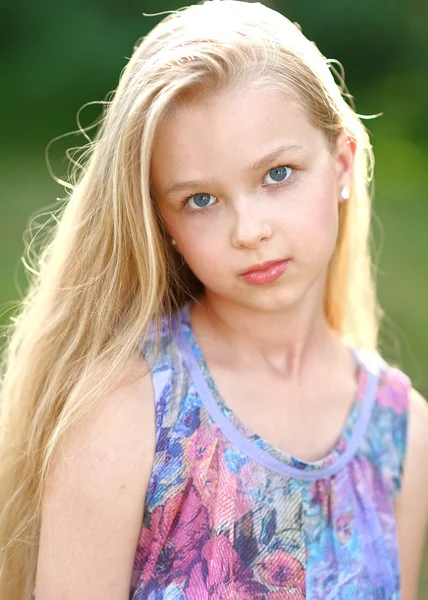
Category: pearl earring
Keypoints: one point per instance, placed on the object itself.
(345, 192)
(173, 242)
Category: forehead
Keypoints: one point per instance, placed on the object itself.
(232, 128)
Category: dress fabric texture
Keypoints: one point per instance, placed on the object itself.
(228, 515)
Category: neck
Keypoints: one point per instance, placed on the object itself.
(290, 340)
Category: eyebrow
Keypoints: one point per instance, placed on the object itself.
(178, 186)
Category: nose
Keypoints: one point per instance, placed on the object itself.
(250, 228)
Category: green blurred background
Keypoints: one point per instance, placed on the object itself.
(57, 57)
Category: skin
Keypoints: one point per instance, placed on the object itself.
(250, 220)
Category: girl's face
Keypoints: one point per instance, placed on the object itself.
(241, 179)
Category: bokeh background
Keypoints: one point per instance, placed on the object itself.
(56, 57)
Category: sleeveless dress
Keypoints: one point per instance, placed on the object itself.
(229, 516)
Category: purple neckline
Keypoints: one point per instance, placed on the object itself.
(249, 446)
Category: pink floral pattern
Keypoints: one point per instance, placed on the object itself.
(219, 524)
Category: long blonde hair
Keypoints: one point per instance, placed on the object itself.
(106, 272)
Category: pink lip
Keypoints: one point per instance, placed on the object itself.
(261, 266)
(267, 272)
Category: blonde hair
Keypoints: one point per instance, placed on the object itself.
(106, 271)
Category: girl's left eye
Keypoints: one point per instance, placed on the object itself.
(279, 175)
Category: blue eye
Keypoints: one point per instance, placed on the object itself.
(278, 174)
(200, 201)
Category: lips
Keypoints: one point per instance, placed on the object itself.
(262, 266)
(265, 273)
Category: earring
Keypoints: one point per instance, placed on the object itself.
(173, 242)
(345, 192)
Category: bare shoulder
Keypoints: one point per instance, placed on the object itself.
(412, 502)
(416, 464)
(93, 504)
(418, 425)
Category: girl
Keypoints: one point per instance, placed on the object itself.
(193, 404)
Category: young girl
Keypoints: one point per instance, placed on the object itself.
(193, 404)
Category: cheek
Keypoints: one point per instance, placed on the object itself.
(316, 225)
(196, 238)
(326, 217)
(208, 260)
(200, 246)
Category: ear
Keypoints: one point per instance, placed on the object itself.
(344, 160)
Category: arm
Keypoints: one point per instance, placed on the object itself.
(93, 506)
(412, 503)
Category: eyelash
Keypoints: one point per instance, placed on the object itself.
(278, 185)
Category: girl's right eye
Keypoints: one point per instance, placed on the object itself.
(200, 201)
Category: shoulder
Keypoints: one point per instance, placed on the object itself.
(94, 495)
(119, 429)
(418, 429)
(412, 502)
(122, 421)
(415, 475)
(123, 414)
(418, 425)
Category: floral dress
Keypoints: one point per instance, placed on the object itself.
(228, 515)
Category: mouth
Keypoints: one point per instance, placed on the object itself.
(265, 273)
(263, 266)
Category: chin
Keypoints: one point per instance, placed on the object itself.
(268, 300)
(285, 297)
